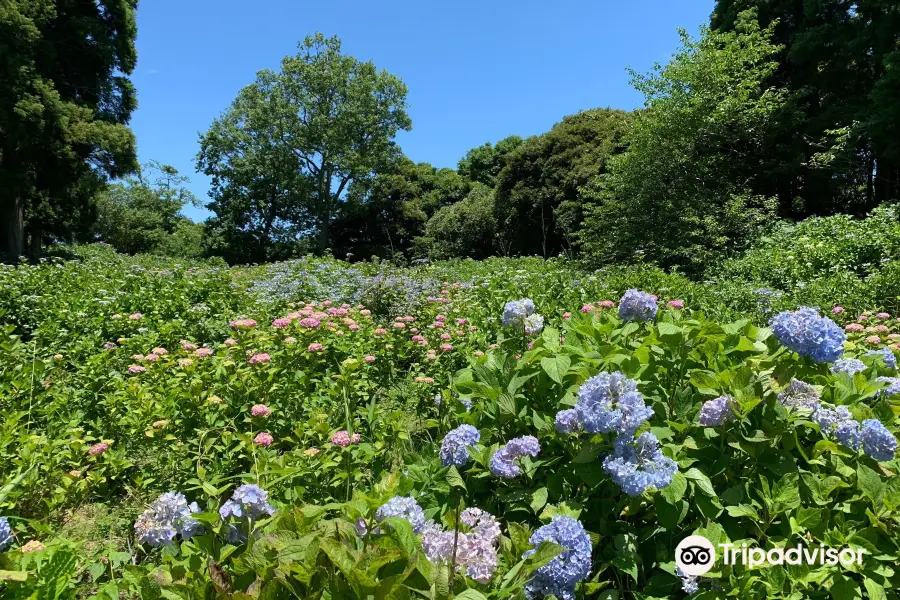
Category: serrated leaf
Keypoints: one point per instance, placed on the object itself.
(556, 366)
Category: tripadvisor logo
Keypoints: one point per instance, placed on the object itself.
(695, 555)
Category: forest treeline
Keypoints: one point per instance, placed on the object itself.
(776, 111)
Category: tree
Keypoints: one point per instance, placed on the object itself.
(484, 163)
(284, 153)
(384, 214)
(65, 99)
(143, 212)
(542, 176)
(681, 195)
(836, 60)
(463, 229)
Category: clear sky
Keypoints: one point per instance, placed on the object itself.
(477, 71)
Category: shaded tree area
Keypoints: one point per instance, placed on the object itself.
(65, 100)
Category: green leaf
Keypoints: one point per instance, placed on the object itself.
(454, 478)
(675, 490)
(844, 588)
(470, 594)
(786, 493)
(742, 510)
(13, 575)
(626, 563)
(701, 481)
(401, 531)
(870, 484)
(556, 366)
(874, 590)
(538, 499)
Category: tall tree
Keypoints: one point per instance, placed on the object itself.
(681, 196)
(484, 163)
(837, 59)
(541, 178)
(65, 100)
(284, 153)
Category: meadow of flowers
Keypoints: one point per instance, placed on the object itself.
(491, 430)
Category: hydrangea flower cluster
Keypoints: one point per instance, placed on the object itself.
(168, 516)
(476, 550)
(559, 576)
(503, 463)
(637, 306)
(799, 394)
(808, 334)
(247, 502)
(689, 583)
(638, 465)
(405, 508)
(893, 385)
(516, 311)
(887, 356)
(567, 421)
(343, 439)
(715, 412)
(610, 402)
(870, 435)
(850, 366)
(534, 324)
(5, 533)
(454, 447)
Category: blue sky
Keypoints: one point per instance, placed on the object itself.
(476, 71)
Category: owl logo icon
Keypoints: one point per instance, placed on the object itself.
(695, 555)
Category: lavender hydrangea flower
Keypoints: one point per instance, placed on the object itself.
(638, 465)
(405, 508)
(567, 421)
(799, 394)
(503, 462)
(828, 419)
(476, 551)
(637, 306)
(454, 447)
(877, 441)
(715, 412)
(850, 366)
(847, 433)
(808, 334)
(534, 324)
(560, 576)
(893, 385)
(887, 356)
(5, 533)
(611, 402)
(168, 516)
(689, 583)
(248, 501)
(516, 311)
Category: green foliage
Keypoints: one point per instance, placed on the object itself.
(536, 205)
(681, 195)
(484, 163)
(464, 229)
(282, 155)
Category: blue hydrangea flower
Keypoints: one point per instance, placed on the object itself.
(847, 433)
(850, 366)
(893, 385)
(637, 306)
(799, 394)
(5, 533)
(516, 311)
(877, 441)
(638, 465)
(454, 446)
(567, 421)
(404, 508)
(828, 419)
(247, 501)
(611, 402)
(560, 576)
(534, 324)
(808, 334)
(168, 516)
(689, 583)
(887, 356)
(715, 412)
(503, 462)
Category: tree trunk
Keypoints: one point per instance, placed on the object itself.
(34, 249)
(12, 235)
(886, 180)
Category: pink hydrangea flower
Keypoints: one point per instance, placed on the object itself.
(99, 448)
(445, 336)
(446, 347)
(369, 359)
(260, 410)
(136, 316)
(837, 310)
(281, 323)
(353, 327)
(326, 303)
(230, 342)
(441, 318)
(424, 380)
(414, 330)
(311, 451)
(854, 328)
(160, 351)
(417, 338)
(136, 369)
(263, 439)
(365, 312)
(461, 322)
(203, 352)
(399, 325)
(478, 353)
(290, 340)
(588, 308)
(343, 439)
(459, 332)
(472, 328)
(567, 315)
(676, 304)
(894, 336)
(116, 317)
(243, 323)
(109, 345)
(188, 346)
(32, 546)
(310, 323)
(260, 358)
(431, 356)
(873, 339)
(314, 347)
(345, 305)
(380, 331)
(606, 304)
(439, 324)
(883, 315)
(882, 328)
(185, 362)
(152, 357)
